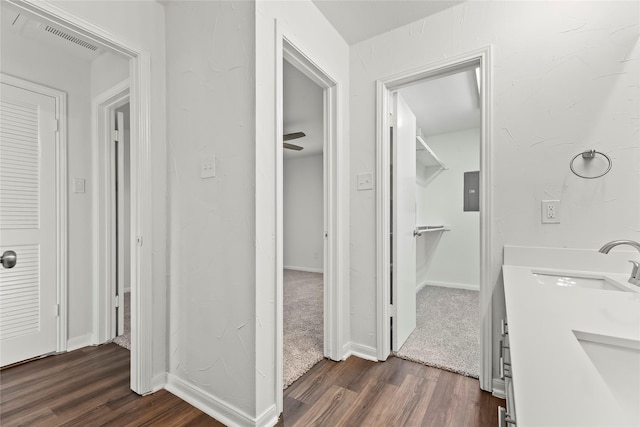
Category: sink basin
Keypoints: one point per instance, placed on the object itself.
(618, 362)
(576, 280)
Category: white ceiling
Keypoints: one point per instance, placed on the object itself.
(445, 104)
(302, 111)
(358, 20)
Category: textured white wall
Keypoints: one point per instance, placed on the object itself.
(33, 61)
(565, 79)
(222, 332)
(107, 70)
(211, 103)
(303, 214)
(450, 258)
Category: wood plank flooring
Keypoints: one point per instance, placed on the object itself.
(87, 387)
(90, 387)
(358, 392)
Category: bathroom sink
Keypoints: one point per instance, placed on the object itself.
(579, 280)
(618, 362)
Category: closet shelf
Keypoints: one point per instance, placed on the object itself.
(424, 153)
(429, 229)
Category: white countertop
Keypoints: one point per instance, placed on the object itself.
(555, 381)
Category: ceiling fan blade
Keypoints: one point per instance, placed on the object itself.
(292, 147)
(290, 136)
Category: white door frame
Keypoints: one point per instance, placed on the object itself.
(61, 198)
(384, 88)
(104, 218)
(334, 224)
(140, 79)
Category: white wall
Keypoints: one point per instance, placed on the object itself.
(33, 61)
(107, 70)
(211, 111)
(450, 258)
(141, 24)
(222, 334)
(303, 214)
(565, 79)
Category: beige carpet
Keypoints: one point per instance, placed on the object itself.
(447, 334)
(303, 323)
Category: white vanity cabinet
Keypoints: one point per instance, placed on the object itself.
(506, 416)
(571, 350)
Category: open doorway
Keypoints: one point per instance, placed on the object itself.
(446, 143)
(303, 224)
(121, 185)
(398, 229)
(42, 44)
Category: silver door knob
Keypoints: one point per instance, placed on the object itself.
(8, 259)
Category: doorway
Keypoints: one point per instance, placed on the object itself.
(122, 210)
(303, 224)
(394, 305)
(445, 241)
(75, 33)
(333, 215)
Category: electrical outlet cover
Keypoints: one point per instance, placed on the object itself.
(550, 211)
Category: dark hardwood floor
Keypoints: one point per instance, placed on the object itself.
(90, 387)
(358, 392)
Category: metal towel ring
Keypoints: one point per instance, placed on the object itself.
(588, 155)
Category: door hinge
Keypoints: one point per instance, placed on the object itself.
(56, 125)
(116, 136)
(57, 310)
(116, 301)
(393, 310)
(139, 240)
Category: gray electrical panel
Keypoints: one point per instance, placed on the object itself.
(472, 191)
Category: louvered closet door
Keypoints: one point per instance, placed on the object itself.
(28, 314)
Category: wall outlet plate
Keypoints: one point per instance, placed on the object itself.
(550, 212)
(208, 167)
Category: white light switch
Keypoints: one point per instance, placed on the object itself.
(208, 167)
(78, 185)
(365, 181)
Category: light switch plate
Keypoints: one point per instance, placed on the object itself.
(78, 185)
(208, 167)
(365, 181)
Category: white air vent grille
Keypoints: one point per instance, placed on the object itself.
(70, 38)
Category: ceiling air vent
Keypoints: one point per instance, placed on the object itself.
(70, 38)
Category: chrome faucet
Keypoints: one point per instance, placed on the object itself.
(635, 272)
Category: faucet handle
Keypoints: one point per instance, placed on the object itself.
(636, 269)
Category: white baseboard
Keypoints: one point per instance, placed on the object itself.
(498, 388)
(361, 351)
(448, 285)
(214, 407)
(305, 269)
(79, 342)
